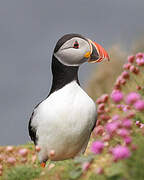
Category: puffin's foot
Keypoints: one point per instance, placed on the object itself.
(43, 164)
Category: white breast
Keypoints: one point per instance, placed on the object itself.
(64, 122)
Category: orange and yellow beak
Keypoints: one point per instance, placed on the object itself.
(97, 54)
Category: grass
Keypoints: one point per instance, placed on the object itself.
(22, 172)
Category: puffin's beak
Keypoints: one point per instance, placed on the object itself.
(98, 53)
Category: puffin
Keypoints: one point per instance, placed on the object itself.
(62, 123)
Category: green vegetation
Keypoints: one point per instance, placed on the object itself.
(22, 172)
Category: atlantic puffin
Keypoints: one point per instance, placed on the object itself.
(62, 123)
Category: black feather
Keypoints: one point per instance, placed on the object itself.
(32, 130)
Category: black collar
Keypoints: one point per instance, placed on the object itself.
(62, 74)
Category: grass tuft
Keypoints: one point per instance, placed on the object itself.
(23, 172)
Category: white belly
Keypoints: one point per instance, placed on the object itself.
(64, 122)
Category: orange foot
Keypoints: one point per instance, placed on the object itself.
(43, 164)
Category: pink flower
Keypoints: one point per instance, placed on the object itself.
(132, 97)
(98, 130)
(140, 62)
(139, 55)
(123, 81)
(127, 140)
(123, 132)
(104, 98)
(11, 160)
(120, 152)
(115, 117)
(99, 111)
(126, 108)
(131, 59)
(125, 75)
(104, 117)
(142, 125)
(117, 86)
(120, 81)
(101, 106)
(134, 69)
(107, 137)
(97, 147)
(120, 106)
(85, 166)
(116, 96)
(99, 170)
(126, 66)
(98, 101)
(9, 148)
(131, 114)
(134, 147)
(139, 105)
(138, 87)
(127, 123)
(138, 123)
(112, 126)
(23, 152)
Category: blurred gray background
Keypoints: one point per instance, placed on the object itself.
(29, 30)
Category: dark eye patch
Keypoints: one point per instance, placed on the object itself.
(76, 45)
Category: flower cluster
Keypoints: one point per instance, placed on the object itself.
(119, 111)
(11, 156)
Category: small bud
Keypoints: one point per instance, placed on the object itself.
(138, 87)
(23, 152)
(85, 166)
(11, 160)
(9, 148)
(127, 66)
(131, 59)
(99, 170)
(134, 147)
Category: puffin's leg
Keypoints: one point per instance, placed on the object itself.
(42, 156)
(43, 163)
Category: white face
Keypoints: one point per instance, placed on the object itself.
(72, 52)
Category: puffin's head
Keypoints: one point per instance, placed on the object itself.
(74, 49)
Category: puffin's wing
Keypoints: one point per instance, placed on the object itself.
(32, 129)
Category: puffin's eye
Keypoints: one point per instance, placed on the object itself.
(76, 45)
